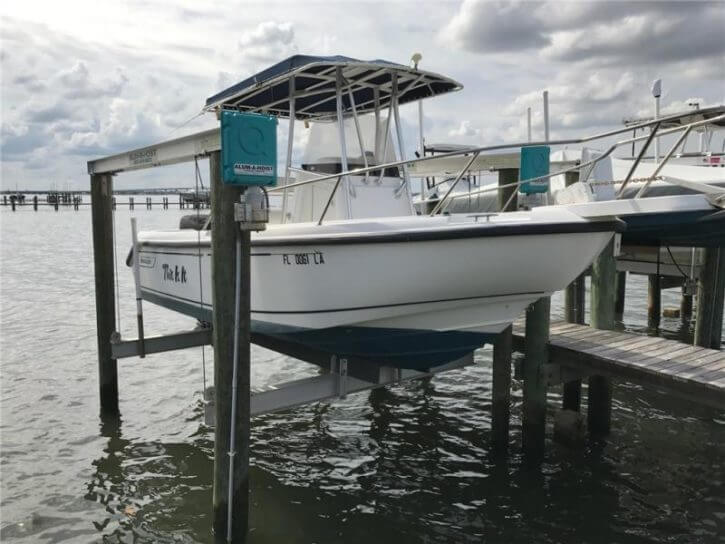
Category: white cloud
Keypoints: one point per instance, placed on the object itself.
(464, 129)
(79, 81)
(495, 26)
(268, 42)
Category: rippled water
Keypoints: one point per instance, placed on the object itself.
(404, 464)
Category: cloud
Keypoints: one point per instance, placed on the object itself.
(268, 42)
(77, 88)
(464, 129)
(495, 27)
(627, 32)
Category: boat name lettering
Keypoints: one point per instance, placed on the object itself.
(175, 273)
(142, 157)
(313, 258)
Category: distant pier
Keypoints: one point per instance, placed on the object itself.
(69, 200)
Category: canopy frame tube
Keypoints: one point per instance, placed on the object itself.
(290, 142)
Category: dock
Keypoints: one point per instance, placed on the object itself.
(692, 372)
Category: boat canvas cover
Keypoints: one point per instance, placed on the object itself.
(315, 86)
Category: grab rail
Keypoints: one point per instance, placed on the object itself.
(476, 151)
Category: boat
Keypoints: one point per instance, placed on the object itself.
(685, 218)
(351, 270)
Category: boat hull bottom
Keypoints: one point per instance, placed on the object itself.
(416, 349)
(401, 348)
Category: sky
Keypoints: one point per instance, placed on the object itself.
(80, 80)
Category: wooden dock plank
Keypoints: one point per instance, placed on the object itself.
(693, 372)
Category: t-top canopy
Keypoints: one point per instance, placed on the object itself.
(315, 85)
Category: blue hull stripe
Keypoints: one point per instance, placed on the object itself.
(405, 348)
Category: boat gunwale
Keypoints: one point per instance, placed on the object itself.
(477, 230)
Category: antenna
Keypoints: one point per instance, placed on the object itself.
(656, 93)
(415, 59)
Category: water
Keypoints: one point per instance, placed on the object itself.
(404, 464)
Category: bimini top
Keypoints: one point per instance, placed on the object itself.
(315, 87)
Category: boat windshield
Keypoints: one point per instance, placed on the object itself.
(322, 153)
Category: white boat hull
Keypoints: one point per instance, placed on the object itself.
(347, 295)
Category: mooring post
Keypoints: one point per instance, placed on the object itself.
(574, 306)
(56, 204)
(685, 305)
(537, 354)
(5, 200)
(35, 203)
(501, 389)
(224, 234)
(12, 203)
(574, 309)
(501, 384)
(604, 277)
(102, 224)
(507, 176)
(654, 301)
(710, 299)
(621, 295)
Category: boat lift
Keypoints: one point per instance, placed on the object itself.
(329, 93)
(505, 156)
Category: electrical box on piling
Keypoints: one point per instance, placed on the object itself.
(249, 148)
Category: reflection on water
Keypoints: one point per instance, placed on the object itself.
(410, 463)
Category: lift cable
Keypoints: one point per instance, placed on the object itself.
(675, 263)
(198, 181)
(115, 264)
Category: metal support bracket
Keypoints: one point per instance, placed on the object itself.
(158, 344)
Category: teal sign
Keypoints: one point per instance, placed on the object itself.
(534, 163)
(249, 148)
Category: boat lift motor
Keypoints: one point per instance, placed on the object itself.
(252, 211)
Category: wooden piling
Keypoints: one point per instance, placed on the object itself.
(710, 299)
(12, 203)
(102, 225)
(574, 310)
(501, 389)
(130, 203)
(35, 203)
(685, 305)
(224, 233)
(507, 176)
(621, 295)
(604, 275)
(5, 200)
(534, 389)
(654, 301)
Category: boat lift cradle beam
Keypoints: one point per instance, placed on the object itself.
(344, 376)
